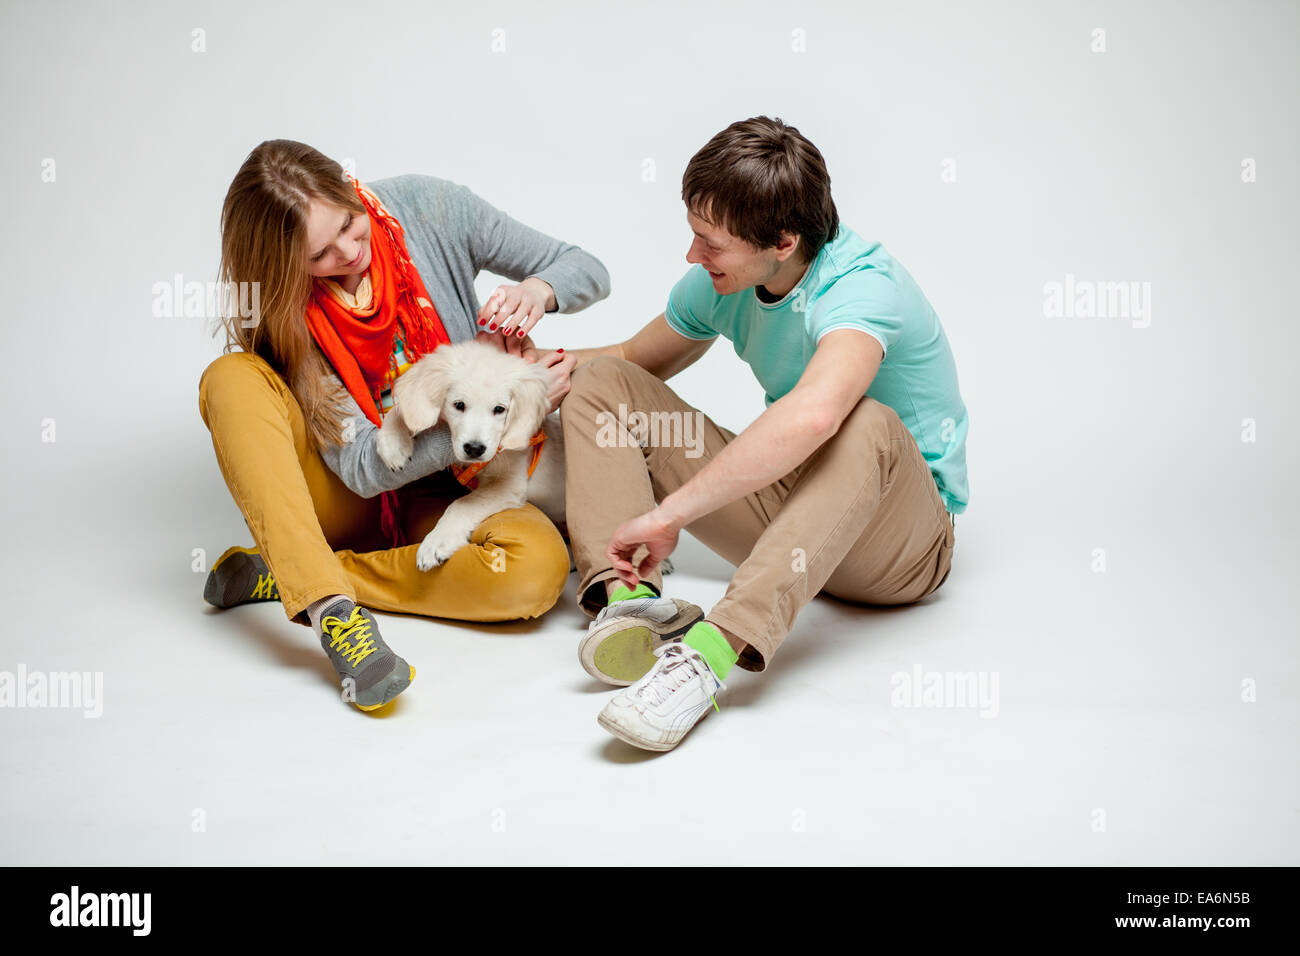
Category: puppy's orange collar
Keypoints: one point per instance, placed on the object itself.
(465, 473)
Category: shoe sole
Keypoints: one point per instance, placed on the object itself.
(622, 649)
(370, 707)
(213, 588)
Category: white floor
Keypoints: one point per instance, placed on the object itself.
(1147, 711)
(1119, 734)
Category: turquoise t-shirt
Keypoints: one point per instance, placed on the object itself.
(852, 284)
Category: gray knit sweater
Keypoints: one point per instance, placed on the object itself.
(451, 235)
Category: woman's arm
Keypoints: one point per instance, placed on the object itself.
(359, 466)
(503, 245)
(453, 235)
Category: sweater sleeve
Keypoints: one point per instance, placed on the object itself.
(505, 246)
(359, 466)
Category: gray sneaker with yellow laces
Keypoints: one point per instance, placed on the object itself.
(240, 576)
(370, 673)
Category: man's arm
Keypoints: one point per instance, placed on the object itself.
(657, 348)
(788, 431)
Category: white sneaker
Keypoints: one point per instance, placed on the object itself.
(659, 710)
(621, 643)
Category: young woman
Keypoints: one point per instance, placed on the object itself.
(354, 283)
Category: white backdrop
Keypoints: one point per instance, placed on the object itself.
(1127, 563)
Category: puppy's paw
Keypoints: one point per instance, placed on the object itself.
(394, 448)
(438, 547)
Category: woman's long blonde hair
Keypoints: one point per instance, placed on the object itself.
(264, 240)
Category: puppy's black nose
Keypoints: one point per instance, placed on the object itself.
(474, 449)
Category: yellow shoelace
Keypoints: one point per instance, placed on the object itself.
(266, 587)
(351, 638)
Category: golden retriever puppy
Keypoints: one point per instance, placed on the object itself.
(495, 405)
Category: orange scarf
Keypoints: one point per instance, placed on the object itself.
(359, 343)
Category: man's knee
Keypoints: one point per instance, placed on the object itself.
(599, 381)
(601, 370)
(871, 415)
(871, 426)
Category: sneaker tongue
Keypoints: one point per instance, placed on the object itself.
(341, 609)
(674, 672)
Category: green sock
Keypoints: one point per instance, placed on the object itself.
(713, 647)
(623, 592)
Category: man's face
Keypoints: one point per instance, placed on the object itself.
(733, 264)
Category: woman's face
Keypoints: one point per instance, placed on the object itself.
(338, 240)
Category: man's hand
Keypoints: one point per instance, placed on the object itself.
(650, 529)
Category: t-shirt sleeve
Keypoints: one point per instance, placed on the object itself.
(690, 305)
(868, 300)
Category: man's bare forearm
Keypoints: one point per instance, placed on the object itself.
(773, 445)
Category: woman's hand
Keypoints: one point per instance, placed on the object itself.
(558, 365)
(513, 310)
(511, 344)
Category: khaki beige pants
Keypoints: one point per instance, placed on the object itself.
(860, 519)
(319, 538)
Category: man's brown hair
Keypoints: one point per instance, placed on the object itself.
(759, 178)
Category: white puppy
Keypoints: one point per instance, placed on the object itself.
(490, 400)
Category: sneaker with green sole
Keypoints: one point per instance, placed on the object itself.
(620, 645)
(371, 674)
(240, 576)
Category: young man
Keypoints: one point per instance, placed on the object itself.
(848, 481)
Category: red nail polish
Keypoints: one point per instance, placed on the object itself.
(482, 321)
(492, 327)
(520, 333)
(559, 350)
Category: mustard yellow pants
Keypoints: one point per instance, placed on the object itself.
(320, 538)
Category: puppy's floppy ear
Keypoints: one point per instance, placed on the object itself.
(418, 394)
(529, 404)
